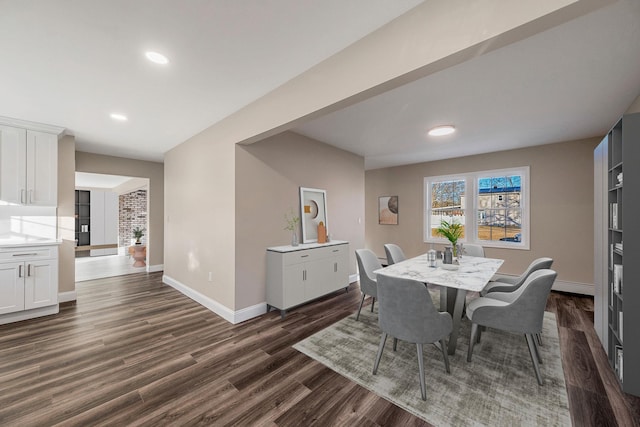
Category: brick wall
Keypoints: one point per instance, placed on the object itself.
(133, 213)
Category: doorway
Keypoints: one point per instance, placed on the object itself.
(108, 210)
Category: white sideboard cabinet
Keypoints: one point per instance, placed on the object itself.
(299, 274)
(28, 282)
(28, 165)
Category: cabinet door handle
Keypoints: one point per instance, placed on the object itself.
(29, 270)
(22, 196)
(24, 254)
(20, 271)
(336, 250)
(335, 267)
(304, 256)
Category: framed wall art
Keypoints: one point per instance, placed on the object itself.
(388, 210)
(313, 209)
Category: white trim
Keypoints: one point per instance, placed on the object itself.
(67, 296)
(249, 312)
(426, 191)
(29, 314)
(24, 124)
(566, 286)
(221, 310)
(574, 287)
(155, 268)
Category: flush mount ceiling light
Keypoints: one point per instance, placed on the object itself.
(157, 58)
(442, 130)
(119, 117)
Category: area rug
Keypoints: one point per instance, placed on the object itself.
(498, 388)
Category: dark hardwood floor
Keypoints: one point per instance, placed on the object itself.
(133, 351)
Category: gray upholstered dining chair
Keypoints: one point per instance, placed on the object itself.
(367, 263)
(473, 250)
(394, 253)
(524, 314)
(406, 312)
(501, 283)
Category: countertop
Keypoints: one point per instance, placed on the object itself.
(303, 246)
(20, 241)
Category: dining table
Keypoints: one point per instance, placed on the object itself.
(466, 274)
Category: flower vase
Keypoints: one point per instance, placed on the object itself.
(294, 239)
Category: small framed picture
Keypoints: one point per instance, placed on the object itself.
(388, 210)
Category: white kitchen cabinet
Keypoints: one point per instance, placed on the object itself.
(11, 287)
(28, 166)
(28, 282)
(104, 221)
(298, 274)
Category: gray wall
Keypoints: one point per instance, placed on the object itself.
(561, 202)
(268, 176)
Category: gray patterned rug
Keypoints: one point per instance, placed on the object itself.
(498, 388)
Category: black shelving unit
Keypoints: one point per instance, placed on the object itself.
(83, 218)
(623, 226)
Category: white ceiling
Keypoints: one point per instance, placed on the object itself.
(72, 62)
(568, 83)
(95, 180)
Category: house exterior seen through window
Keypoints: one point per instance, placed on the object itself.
(499, 208)
(492, 207)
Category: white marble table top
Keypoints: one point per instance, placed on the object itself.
(473, 273)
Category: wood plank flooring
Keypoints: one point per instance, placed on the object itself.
(133, 351)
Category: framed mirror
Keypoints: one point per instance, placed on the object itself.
(313, 209)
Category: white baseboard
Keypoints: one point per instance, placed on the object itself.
(574, 287)
(155, 268)
(566, 286)
(221, 310)
(249, 312)
(67, 296)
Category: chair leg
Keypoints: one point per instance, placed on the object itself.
(479, 334)
(395, 344)
(373, 302)
(472, 340)
(360, 308)
(537, 349)
(423, 386)
(445, 354)
(383, 340)
(539, 338)
(534, 359)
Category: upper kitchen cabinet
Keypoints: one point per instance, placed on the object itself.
(28, 163)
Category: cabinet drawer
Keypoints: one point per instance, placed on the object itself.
(337, 250)
(314, 254)
(28, 253)
(297, 257)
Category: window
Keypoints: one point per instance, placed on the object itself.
(447, 199)
(492, 207)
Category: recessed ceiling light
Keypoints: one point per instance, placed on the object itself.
(442, 130)
(156, 57)
(119, 117)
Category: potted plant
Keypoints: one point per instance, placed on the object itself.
(137, 234)
(452, 231)
(292, 221)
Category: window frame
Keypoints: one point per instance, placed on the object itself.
(471, 210)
